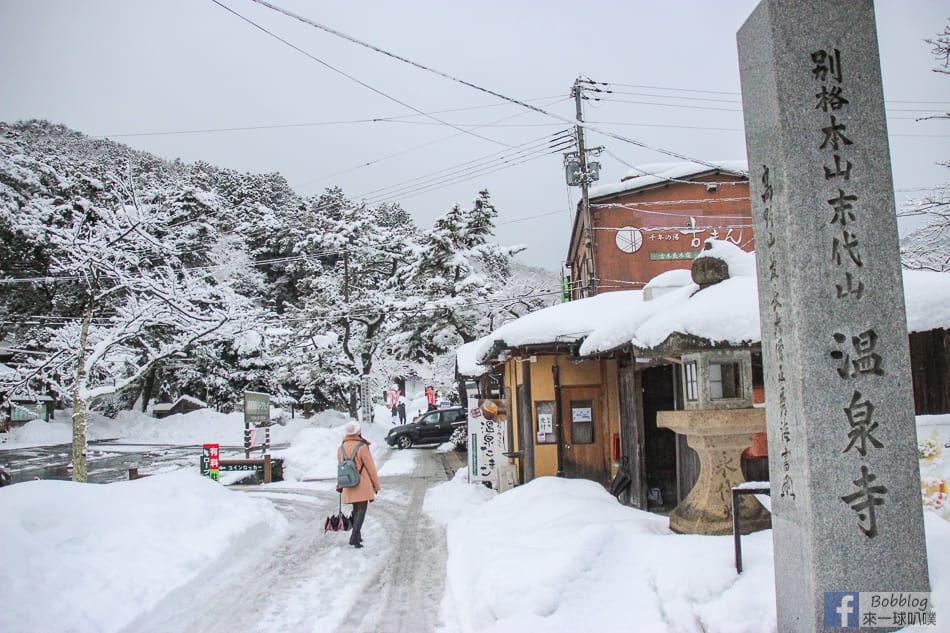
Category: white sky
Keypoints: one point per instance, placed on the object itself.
(119, 67)
(84, 557)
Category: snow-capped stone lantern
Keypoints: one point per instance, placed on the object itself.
(719, 421)
(306, 401)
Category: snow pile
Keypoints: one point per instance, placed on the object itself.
(446, 502)
(85, 557)
(739, 262)
(927, 296)
(203, 426)
(312, 452)
(665, 282)
(727, 312)
(561, 555)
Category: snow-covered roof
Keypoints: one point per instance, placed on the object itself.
(466, 359)
(671, 279)
(192, 400)
(651, 174)
(27, 398)
(563, 323)
(167, 406)
(726, 313)
(927, 297)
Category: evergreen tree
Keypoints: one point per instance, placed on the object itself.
(451, 283)
(349, 254)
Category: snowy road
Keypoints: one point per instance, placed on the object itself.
(308, 580)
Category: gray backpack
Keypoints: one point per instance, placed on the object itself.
(347, 476)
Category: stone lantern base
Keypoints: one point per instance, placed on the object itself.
(718, 437)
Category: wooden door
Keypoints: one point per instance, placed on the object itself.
(632, 434)
(584, 428)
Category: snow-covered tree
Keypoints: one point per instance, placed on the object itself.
(929, 246)
(452, 283)
(134, 301)
(348, 254)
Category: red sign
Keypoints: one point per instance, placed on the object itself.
(210, 460)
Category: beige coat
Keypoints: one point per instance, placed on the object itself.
(369, 480)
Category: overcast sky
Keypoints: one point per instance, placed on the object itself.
(177, 77)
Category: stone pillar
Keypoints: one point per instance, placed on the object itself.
(846, 501)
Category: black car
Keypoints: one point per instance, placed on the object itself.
(432, 427)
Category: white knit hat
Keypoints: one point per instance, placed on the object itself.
(352, 428)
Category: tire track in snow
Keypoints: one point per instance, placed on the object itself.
(313, 581)
(405, 595)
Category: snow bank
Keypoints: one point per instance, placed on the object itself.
(86, 557)
(204, 426)
(561, 555)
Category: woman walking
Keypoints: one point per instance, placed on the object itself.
(364, 492)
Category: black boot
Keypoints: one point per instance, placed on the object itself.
(359, 514)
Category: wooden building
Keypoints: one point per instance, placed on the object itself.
(586, 379)
(184, 404)
(563, 409)
(656, 219)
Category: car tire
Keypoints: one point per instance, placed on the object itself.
(403, 441)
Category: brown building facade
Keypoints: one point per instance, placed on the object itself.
(656, 221)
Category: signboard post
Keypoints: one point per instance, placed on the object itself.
(366, 400)
(256, 415)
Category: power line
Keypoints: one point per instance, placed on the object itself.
(351, 77)
(533, 217)
(407, 151)
(467, 176)
(277, 126)
(659, 96)
(465, 171)
(674, 105)
(477, 87)
(729, 93)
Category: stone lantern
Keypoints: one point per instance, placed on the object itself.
(306, 401)
(719, 422)
(717, 379)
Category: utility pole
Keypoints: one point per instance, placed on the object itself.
(581, 173)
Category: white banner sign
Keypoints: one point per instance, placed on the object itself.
(487, 439)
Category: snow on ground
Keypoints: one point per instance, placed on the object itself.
(554, 555)
(84, 557)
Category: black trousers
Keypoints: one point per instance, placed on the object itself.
(359, 515)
